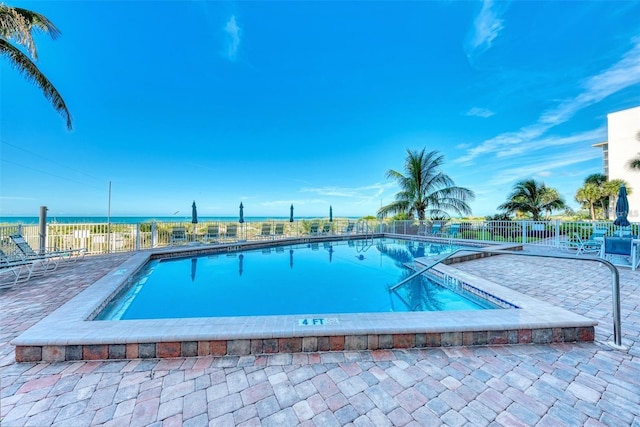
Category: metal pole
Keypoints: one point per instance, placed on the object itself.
(617, 322)
(43, 229)
(109, 221)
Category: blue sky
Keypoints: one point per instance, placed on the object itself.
(310, 103)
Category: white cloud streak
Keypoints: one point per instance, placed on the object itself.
(232, 38)
(621, 75)
(486, 28)
(593, 136)
(480, 112)
(544, 168)
(359, 195)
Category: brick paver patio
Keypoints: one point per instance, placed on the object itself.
(546, 385)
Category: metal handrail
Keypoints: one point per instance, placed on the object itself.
(615, 284)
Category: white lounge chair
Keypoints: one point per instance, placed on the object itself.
(265, 231)
(580, 246)
(178, 236)
(326, 228)
(213, 234)
(18, 270)
(349, 228)
(232, 232)
(279, 230)
(313, 228)
(51, 255)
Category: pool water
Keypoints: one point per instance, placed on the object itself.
(317, 278)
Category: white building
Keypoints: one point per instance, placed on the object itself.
(621, 146)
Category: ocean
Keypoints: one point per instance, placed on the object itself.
(135, 219)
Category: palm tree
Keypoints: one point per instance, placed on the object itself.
(589, 194)
(531, 196)
(600, 180)
(17, 25)
(424, 188)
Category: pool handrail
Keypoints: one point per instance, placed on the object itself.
(615, 284)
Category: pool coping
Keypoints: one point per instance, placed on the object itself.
(66, 334)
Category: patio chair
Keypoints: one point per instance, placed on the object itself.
(51, 255)
(313, 228)
(326, 228)
(232, 232)
(279, 230)
(265, 231)
(435, 230)
(453, 230)
(18, 270)
(350, 228)
(213, 234)
(178, 236)
(621, 251)
(581, 246)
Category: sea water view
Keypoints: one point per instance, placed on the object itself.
(31, 220)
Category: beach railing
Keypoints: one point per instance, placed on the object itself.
(99, 238)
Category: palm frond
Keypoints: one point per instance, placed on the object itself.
(25, 66)
(17, 24)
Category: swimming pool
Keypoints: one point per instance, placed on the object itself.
(72, 333)
(353, 276)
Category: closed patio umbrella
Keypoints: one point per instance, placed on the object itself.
(622, 208)
(194, 213)
(194, 218)
(330, 214)
(291, 215)
(241, 220)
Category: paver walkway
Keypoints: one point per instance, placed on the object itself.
(523, 385)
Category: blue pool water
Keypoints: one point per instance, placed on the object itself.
(318, 278)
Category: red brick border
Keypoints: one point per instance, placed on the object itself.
(302, 344)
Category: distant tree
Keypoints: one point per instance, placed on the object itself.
(589, 194)
(498, 217)
(402, 216)
(599, 180)
(424, 188)
(532, 197)
(18, 25)
(604, 191)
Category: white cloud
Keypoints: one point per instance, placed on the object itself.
(622, 74)
(357, 196)
(232, 38)
(485, 29)
(591, 136)
(545, 167)
(479, 112)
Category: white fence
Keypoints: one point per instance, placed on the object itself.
(103, 238)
